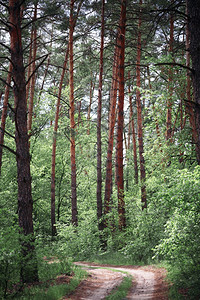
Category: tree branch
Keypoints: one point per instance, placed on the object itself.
(45, 57)
(9, 149)
(6, 132)
(8, 48)
(3, 4)
(4, 81)
(175, 64)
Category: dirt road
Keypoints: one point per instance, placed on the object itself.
(148, 283)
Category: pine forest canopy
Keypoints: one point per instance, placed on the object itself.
(100, 125)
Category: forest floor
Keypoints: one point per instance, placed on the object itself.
(148, 282)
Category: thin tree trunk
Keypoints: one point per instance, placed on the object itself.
(53, 157)
(189, 105)
(99, 112)
(133, 135)
(29, 66)
(79, 113)
(29, 271)
(139, 116)
(120, 123)
(46, 69)
(112, 117)
(32, 86)
(170, 87)
(90, 105)
(156, 120)
(4, 112)
(72, 121)
(194, 31)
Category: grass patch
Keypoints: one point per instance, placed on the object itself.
(122, 290)
(50, 287)
(56, 291)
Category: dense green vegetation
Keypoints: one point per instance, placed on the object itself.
(168, 230)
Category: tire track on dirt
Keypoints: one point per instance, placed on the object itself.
(101, 282)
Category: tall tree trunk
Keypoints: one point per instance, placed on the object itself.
(25, 204)
(139, 115)
(53, 156)
(29, 66)
(99, 111)
(90, 104)
(112, 117)
(53, 159)
(133, 135)
(170, 87)
(4, 113)
(46, 69)
(120, 123)
(32, 85)
(193, 9)
(72, 121)
(189, 106)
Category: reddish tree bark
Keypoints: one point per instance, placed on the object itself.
(53, 159)
(99, 112)
(139, 115)
(72, 121)
(25, 204)
(4, 113)
(120, 121)
(112, 117)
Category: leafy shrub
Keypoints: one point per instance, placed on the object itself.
(9, 259)
(180, 246)
(80, 242)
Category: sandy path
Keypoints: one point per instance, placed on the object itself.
(145, 281)
(101, 282)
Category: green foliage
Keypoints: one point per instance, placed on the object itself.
(9, 259)
(81, 242)
(49, 289)
(180, 245)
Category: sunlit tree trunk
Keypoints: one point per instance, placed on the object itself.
(139, 116)
(72, 121)
(120, 121)
(25, 204)
(4, 112)
(99, 112)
